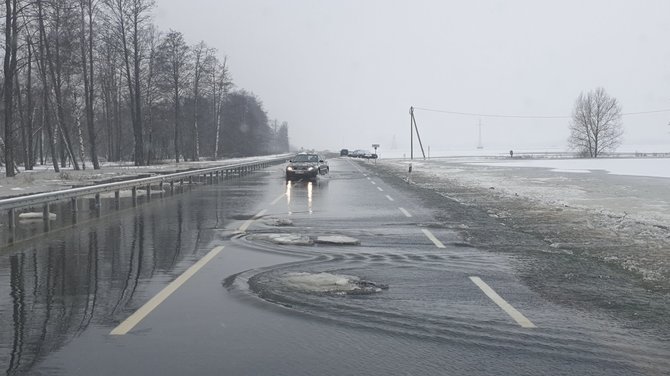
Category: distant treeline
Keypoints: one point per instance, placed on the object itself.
(91, 80)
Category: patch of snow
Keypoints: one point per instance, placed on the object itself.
(36, 215)
(652, 167)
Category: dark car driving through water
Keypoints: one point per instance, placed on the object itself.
(306, 166)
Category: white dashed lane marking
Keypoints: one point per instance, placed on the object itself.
(497, 299)
(146, 309)
(380, 189)
(432, 238)
(405, 212)
(248, 223)
(390, 198)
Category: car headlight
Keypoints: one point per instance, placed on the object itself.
(310, 169)
(289, 168)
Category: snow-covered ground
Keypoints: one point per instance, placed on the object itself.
(625, 200)
(654, 167)
(44, 179)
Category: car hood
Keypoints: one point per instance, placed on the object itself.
(303, 164)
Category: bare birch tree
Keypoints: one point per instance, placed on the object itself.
(596, 124)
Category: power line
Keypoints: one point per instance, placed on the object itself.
(529, 116)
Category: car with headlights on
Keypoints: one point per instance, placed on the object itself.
(306, 166)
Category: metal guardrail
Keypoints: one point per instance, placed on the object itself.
(213, 174)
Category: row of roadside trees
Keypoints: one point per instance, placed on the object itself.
(85, 80)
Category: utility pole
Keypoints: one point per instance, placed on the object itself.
(412, 128)
(479, 144)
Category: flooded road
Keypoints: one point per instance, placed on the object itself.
(409, 296)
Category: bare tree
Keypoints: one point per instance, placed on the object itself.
(201, 64)
(220, 83)
(596, 124)
(130, 18)
(9, 72)
(174, 62)
(86, 39)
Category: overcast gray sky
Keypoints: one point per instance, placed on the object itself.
(344, 73)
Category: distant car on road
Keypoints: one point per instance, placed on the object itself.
(344, 152)
(358, 153)
(306, 166)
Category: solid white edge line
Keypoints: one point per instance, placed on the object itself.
(390, 198)
(248, 223)
(405, 212)
(134, 319)
(497, 299)
(380, 189)
(432, 238)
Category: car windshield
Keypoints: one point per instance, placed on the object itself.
(306, 158)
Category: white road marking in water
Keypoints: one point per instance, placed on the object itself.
(380, 189)
(149, 306)
(368, 177)
(432, 238)
(390, 198)
(405, 212)
(248, 223)
(497, 299)
(276, 200)
(373, 182)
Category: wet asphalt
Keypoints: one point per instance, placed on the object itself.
(62, 294)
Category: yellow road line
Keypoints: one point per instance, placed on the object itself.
(497, 299)
(149, 306)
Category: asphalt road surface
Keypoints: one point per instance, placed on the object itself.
(249, 277)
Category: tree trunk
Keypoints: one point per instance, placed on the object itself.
(11, 30)
(45, 88)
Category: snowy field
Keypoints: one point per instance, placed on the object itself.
(653, 167)
(621, 206)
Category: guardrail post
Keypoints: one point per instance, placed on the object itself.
(134, 196)
(171, 187)
(45, 217)
(75, 209)
(117, 199)
(160, 186)
(211, 178)
(11, 217)
(190, 179)
(148, 188)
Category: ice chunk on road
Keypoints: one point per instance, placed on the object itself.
(330, 283)
(337, 239)
(286, 239)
